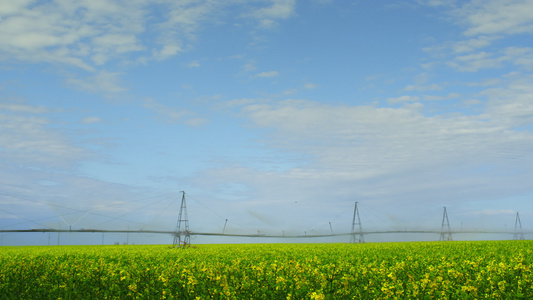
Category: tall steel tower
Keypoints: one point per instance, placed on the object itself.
(518, 233)
(182, 237)
(445, 234)
(357, 237)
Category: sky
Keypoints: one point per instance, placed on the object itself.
(274, 117)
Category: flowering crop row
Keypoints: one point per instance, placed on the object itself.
(438, 270)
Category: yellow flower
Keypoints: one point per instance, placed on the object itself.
(316, 296)
(501, 285)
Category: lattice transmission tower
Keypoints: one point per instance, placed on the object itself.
(357, 235)
(445, 231)
(182, 237)
(518, 233)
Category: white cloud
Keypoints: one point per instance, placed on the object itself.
(90, 120)
(106, 45)
(70, 31)
(267, 74)
(28, 140)
(163, 109)
(476, 62)
(280, 9)
(484, 23)
(486, 82)
(23, 108)
(95, 35)
(421, 84)
(401, 99)
(171, 115)
(430, 87)
(240, 102)
(511, 103)
(473, 44)
(518, 56)
(106, 82)
(194, 64)
(388, 157)
(310, 86)
(389, 152)
(497, 17)
(438, 98)
(290, 92)
(166, 51)
(181, 21)
(87, 34)
(249, 66)
(11, 7)
(436, 2)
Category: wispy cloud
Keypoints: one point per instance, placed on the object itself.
(27, 138)
(249, 66)
(193, 64)
(88, 34)
(91, 120)
(443, 97)
(267, 74)
(473, 44)
(23, 108)
(519, 56)
(171, 115)
(106, 82)
(268, 16)
(180, 23)
(419, 87)
(497, 17)
(511, 103)
(404, 98)
(484, 23)
(96, 36)
(385, 146)
(421, 84)
(70, 32)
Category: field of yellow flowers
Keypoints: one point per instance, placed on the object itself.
(429, 270)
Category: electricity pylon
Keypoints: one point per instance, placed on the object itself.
(357, 237)
(182, 239)
(518, 233)
(445, 235)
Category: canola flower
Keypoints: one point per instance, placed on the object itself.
(429, 270)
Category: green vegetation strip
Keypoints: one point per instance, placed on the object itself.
(438, 270)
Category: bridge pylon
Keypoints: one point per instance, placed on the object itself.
(445, 231)
(357, 234)
(518, 233)
(182, 236)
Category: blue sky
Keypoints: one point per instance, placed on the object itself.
(274, 114)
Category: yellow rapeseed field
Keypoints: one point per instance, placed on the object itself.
(429, 270)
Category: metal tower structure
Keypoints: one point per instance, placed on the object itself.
(357, 236)
(445, 234)
(182, 237)
(518, 233)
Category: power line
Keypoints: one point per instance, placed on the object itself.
(193, 233)
(357, 230)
